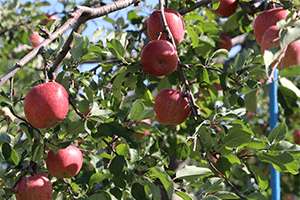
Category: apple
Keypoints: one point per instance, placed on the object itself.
(36, 39)
(159, 58)
(226, 8)
(46, 105)
(66, 163)
(174, 21)
(34, 187)
(296, 136)
(51, 17)
(171, 107)
(138, 134)
(145, 27)
(271, 39)
(227, 44)
(266, 19)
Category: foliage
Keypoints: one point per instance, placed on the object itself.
(225, 151)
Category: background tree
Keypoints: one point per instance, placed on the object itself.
(223, 150)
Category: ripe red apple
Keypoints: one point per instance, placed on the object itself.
(174, 21)
(226, 8)
(34, 187)
(266, 19)
(145, 25)
(227, 44)
(171, 107)
(46, 105)
(66, 163)
(138, 134)
(36, 39)
(271, 39)
(51, 17)
(159, 58)
(296, 136)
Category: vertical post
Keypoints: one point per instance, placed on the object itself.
(275, 175)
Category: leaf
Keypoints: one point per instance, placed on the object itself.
(138, 191)
(80, 46)
(220, 52)
(164, 178)
(182, 151)
(117, 84)
(226, 195)
(283, 162)
(278, 133)
(116, 48)
(134, 18)
(213, 185)
(203, 78)
(260, 177)
(183, 195)
(136, 109)
(117, 165)
(97, 196)
(291, 71)
(211, 197)
(154, 189)
(10, 154)
(223, 165)
(122, 149)
(193, 171)
(38, 153)
(271, 55)
(143, 93)
(76, 127)
(289, 35)
(251, 101)
(287, 99)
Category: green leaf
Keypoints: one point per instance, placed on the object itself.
(289, 35)
(136, 109)
(38, 153)
(154, 189)
(80, 46)
(283, 162)
(251, 101)
(116, 48)
(138, 191)
(220, 52)
(278, 133)
(164, 178)
(143, 93)
(226, 195)
(213, 185)
(117, 84)
(291, 71)
(99, 177)
(211, 197)
(183, 195)
(223, 165)
(270, 55)
(97, 197)
(260, 177)
(134, 18)
(182, 151)
(76, 127)
(193, 171)
(122, 149)
(194, 36)
(5, 138)
(203, 78)
(10, 154)
(117, 165)
(288, 100)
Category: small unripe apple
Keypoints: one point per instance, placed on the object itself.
(226, 8)
(266, 19)
(171, 107)
(227, 44)
(46, 105)
(159, 58)
(296, 137)
(36, 39)
(34, 187)
(66, 163)
(51, 17)
(174, 21)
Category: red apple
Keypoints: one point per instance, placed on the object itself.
(138, 134)
(226, 8)
(171, 107)
(271, 39)
(266, 19)
(51, 17)
(66, 163)
(174, 21)
(46, 105)
(296, 136)
(145, 27)
(159, 58)
(227, 44)
(34, 187)
(36, 39)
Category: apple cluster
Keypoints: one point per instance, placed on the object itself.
(267, 36)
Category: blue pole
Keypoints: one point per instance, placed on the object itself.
(275, 175)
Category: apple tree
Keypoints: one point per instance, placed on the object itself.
(184, 119)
